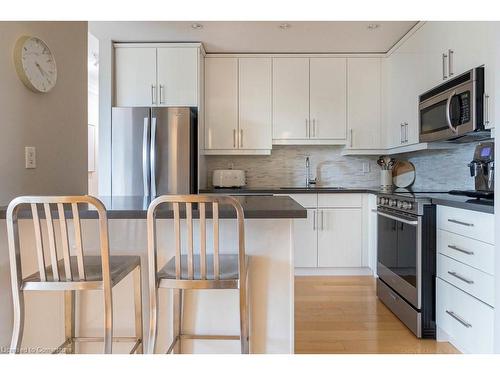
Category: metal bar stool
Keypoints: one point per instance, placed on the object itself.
(72, 272)
(200, 271)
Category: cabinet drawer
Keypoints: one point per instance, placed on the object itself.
(470, 280)
(467, 321)
(306, 200)
(341, 200)
(474, 253)
(477, 225)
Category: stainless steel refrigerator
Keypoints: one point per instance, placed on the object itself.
(154, 151)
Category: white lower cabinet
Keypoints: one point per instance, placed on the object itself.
(465, 279)
(340, 237)
(466, 321)
(332, 235)
(305, 240)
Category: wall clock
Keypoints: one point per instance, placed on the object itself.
(35, 64)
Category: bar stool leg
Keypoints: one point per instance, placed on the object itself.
(69, 318)
(108, 320)
(153, 320)
(244, 337)
(138, 308)
(177, 323)
(17, 331)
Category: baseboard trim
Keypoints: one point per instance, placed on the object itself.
(330, 271)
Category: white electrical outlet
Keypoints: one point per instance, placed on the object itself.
(366, 167)
(30, 157)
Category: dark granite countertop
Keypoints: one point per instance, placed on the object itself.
(254, 207)
(289, 190)
(466, 203)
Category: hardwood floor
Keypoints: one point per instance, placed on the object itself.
(341, 314)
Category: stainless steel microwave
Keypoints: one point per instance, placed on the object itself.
(454, 110)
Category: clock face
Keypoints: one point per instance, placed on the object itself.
(35, 64)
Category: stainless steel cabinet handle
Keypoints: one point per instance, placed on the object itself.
(234, 138)
(460, 223)
(459, 319)
(450, 62)
(444, 66)
(162, 100)
(460, 277)
(145, 157)
(401, 136)
(152, 157)
(314, 127)
(406, 132)
(453, 247)
(308, 129)
(486, 105)
(153, 99)
(241, 138)
(351, 136)
(322, 220)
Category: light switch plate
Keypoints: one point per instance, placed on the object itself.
(30, 157)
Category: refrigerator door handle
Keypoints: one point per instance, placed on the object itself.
(145, 161)
(152, 155)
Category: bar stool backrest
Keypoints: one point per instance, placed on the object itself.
(201, 201)
(66, 206)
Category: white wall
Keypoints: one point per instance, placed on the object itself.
(93, 112)
(55, 123)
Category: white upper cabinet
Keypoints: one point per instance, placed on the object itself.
(291, 98)
(157, 76)
(135, 77)
(221, 103)
(363, 103)
(238, 105)
(328, 98)
(255, 103)
(177, 76)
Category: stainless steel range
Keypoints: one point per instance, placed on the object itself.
(406, 259)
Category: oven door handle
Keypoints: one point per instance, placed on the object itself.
(448, 116)
(409, 222)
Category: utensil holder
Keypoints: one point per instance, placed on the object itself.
(386, 179)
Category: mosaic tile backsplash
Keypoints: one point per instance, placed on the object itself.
(436, 169)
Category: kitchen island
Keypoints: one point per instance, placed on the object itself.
(268, 234)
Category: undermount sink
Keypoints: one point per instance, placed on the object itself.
(312, 188)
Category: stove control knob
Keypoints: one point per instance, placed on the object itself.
(393, 202)
(408, 205)
(380, 200)
(401, 204)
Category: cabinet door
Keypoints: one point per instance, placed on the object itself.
(328, 98)
(177, 76)
(290, 98)
(340, 233)
(363, 103)
(221, 103)
(135, 77)
(255, 103)
(403, 73)
(305, 240)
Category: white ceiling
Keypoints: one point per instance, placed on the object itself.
(262, 36)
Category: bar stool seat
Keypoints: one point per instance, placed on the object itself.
(119, 267)
(228, 267)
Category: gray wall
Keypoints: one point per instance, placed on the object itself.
(436, 169)
(55, 123)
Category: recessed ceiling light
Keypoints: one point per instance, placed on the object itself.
(284, 26)
(197, 26)
(373, 26)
